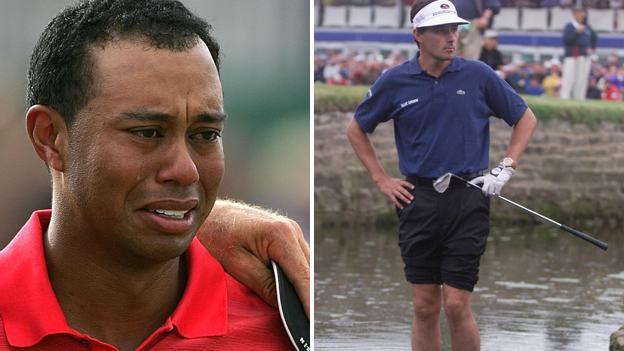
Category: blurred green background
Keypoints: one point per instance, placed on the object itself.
(266, 80)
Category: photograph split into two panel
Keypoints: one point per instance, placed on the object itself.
(312, 175)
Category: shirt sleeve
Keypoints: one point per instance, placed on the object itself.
(569, 34)
(502, 99)
(375, 108)
(593, 39)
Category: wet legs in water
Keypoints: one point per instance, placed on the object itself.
(428, 300)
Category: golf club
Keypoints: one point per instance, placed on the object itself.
(442, 183)
(291, 310)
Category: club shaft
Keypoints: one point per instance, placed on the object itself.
(538, 215)
(599, 243)
(514, 203)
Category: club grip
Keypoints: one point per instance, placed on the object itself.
(601, 244)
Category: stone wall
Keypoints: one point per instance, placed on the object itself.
(572, 172)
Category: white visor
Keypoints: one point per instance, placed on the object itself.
(437, 13)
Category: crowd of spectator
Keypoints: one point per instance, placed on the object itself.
(606, 80)
(596, 4)
(352, 68)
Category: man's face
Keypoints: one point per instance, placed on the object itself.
(490, 43)
(579, 15)
(439, 42)
(145, 155)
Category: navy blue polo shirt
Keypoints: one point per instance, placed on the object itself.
(440, 124)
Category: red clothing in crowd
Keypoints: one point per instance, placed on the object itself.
(215, 313)
(612, 93)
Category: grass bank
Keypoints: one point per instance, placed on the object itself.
(591, 112)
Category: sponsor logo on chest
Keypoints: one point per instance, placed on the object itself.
(409, 102)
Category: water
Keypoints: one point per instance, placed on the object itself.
(539, 289)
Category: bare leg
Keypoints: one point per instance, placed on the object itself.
(463, 327)
(427, 300)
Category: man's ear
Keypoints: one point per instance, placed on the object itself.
(415, 35)
(48, 134)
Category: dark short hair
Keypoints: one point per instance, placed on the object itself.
(418, 5)
(61, 73)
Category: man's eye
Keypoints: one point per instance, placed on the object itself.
(209, 135)
(150, 133)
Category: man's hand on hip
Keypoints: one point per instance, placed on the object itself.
(245, 238)
(494, 181)
(396, 190)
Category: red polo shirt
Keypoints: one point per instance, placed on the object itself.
(216, 312)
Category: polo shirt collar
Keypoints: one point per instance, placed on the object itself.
(202, 311)
(30, 310)
(455, 65)
(28, 306)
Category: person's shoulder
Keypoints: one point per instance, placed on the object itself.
(250, 317)
(242, 298)
(392, 73)
(403, 68)
(475, 66)
(237, 292)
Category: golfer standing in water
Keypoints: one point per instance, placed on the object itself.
(440, 105)
(127, 112)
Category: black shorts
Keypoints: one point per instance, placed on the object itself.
(443, 236)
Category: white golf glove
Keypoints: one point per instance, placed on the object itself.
(494, 181)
